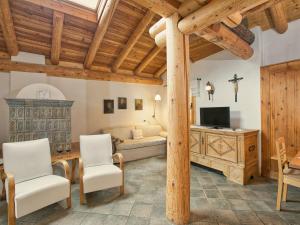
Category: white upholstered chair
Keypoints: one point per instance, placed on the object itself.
(96, 168)
(30, 183)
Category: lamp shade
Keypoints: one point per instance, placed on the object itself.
(157, 97)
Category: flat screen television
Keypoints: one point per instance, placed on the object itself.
(216, 117)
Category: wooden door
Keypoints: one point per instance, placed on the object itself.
(280, 99)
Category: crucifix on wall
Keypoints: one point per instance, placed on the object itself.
(235, 82)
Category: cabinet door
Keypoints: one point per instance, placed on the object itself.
(195, 141)
(222, 147)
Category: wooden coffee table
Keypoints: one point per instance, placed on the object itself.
(72, 155)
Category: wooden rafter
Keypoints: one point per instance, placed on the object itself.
(154, 52)
(67, 72)
(161, 71)
(8, 29)
(106, 11)
(163, 8)
(279, 18)
(138, 32)
(67, 8)
(214, 12)
(58, 23)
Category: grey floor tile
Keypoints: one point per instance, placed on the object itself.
(271, 218)
(238, 204)
(248, 217)
(94, 219)
(259, 206)
(138, 221)
(122, 209)
(116, 220)
(219, 203)
(230, 194)
(141, 210)
(211, 193)
(226, 217)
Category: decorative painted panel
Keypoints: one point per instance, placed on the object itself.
(31, 119)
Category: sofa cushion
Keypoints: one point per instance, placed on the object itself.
(149, 130)
(120, 132)
(137, 134)
(101, 177)
(140, 143)
(37, 193)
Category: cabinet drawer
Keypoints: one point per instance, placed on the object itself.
(195, 142)
(200, 159)
(222, 147)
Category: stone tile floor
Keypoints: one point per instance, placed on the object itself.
(214, 200)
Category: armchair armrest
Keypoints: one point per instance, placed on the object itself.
(80, 168)
(65, 166)
(120, 159)
(163, 134)
(11, 187)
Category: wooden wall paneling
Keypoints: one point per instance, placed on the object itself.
(265, 121)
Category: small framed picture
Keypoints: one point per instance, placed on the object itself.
(109, 106)
(138, 104)
(122, 103)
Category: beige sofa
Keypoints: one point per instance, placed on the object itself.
(153, 142)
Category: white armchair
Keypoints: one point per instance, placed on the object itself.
(30, 183)
(96, 168)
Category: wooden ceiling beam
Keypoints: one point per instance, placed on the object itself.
(219, 35)
(154, 52)
(279, 18)
(106, 11)
(8, 29)
(222, 36)
(67, 72)
(4, 55)
(161, 71)
(138, 32)
(58, 23)
(214, 12)
(67, 8)
(164, 8)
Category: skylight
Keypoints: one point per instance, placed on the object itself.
(91, 4)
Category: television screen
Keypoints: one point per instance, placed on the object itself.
(215, 117)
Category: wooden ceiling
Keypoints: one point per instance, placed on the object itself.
(33, 26)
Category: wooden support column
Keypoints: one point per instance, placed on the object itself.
(58, 23)
(8, 29)
(278, 17)
(178, 160)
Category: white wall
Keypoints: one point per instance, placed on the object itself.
(218, 70)
(87, 110)
(97, 91)
(279, 48)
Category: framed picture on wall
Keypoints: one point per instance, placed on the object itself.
(138, 104)
(108, 106)
(122, 103)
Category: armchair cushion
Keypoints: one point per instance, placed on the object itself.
(101, 177)
(27, 160)
(96, 150)
(37, 193)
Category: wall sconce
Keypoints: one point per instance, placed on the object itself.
(211, 90)
(157, 98)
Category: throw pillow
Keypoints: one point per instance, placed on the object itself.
(137, 134)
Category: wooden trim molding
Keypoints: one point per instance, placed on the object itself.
(8, 29)
(67, 72)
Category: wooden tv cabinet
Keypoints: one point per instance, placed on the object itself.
(235, 153)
